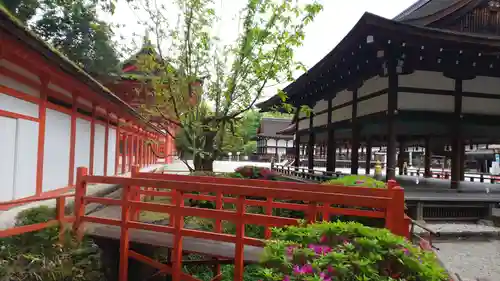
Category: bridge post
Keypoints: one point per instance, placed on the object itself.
(395, 211)
(80, 191)
(135, 195)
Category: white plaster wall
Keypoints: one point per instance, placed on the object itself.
(320, 120)
(373, 105)
(56, 151)
(59, 90)
(85, 102)
(427, 79)
(342, 97)
(482, 84)
(20, 70)
(26, 158)
(372, 85)
(7, 160)
(271, 150)
(480, 106)
(281, 151)
(13, 84)
(82, 144)
(99, 138)
(111, 151)
(320, 106)
(413, 101)
(271, 142)
(282, 143)
(290, 142)
(12, 104)
(341, 114)
(304, 124)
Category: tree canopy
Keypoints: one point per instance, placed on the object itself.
(203, 87)
(72, 26)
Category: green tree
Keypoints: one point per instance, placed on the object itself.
(72, 26)
(234, 76)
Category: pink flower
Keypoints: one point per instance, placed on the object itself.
(324, 277)
(320, 249)
(330, 270)
(286, 278)
(306, 269)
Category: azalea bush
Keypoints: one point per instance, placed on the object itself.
(254, 172)
(339, 251)
(357, 180)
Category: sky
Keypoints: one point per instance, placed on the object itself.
(322, 35)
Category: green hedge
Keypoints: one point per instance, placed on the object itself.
(338, 251)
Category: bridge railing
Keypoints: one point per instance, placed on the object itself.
(240, 194)
(305, 173)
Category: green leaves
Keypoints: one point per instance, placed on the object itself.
(345, 252)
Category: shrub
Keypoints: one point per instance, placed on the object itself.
(254, 172)
(357, 180)
(345, 252)
(39, 255)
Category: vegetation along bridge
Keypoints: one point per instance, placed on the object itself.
(233, 201)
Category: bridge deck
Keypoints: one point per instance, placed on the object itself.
(190, 244)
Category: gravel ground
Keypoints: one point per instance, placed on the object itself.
(471, 259)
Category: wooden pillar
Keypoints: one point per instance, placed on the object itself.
(392, 102)
(297, 145)
(330, 153)
(400, 157)
(457, 144)
(130, 143)
(72, 142)
(462, 162)
(427, 158)
(368, 160)
(117, 146)
(42, 116)
(310, 144)
(124, 151)
(106, 143)
(92, 141)
(355, 134)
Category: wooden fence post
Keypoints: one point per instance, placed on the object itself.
(178, 226)
(80, 192)
(239, 265)
(60, 205)
(395, 211)
(124, 237)
(134, 190)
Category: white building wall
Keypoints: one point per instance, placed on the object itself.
(56, 151)
(7, 160)
(111, 151)
(13, 84)
(271, 142)
(26, 158)
(99, 138)
(15, 105)
(82, 144)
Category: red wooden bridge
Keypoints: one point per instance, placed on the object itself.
(233, 199)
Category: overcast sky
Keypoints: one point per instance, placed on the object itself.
(328, 28)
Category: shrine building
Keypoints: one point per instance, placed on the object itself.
(429, 77)
(54, 117)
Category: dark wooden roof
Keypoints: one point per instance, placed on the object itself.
(345, 62)
(270, 126)
(10, 25)
(433, 13)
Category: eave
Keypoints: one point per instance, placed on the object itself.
(341, 67)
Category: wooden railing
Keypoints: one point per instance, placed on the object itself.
(318, 201)
(304, 173)
(444, 174)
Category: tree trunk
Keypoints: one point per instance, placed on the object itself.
(206, 163)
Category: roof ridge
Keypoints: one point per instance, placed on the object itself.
(415, 6)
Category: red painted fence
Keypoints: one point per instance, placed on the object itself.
(318, 201)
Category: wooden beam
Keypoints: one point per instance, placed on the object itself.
(392, 102)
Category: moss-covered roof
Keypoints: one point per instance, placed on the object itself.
(11, 25)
